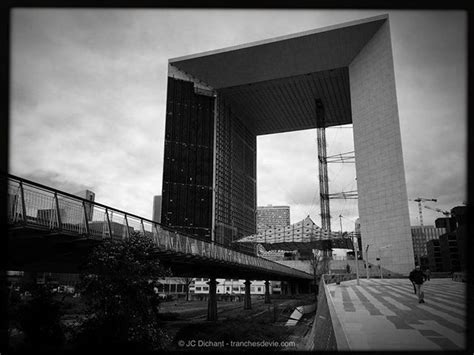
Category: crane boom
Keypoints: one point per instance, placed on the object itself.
(446, 213)
(420, 209)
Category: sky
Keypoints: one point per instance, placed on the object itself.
(88, 99)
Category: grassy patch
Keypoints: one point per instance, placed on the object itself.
(232, 331)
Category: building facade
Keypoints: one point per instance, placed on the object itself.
(173, 287)
(70, 211)
(449, 252)
(156, 217)
(233, 287)
(219, 102)
(421, 235)
(272, 217)
(435, 261)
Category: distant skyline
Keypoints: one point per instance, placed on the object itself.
(88, 102)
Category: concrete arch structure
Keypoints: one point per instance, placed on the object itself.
(218, 102)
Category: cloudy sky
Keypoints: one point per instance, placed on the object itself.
(88, 90)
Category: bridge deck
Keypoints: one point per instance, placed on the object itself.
(42, 217)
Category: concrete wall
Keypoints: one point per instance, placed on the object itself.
(383, 203)
(322, 336)
(297, 264)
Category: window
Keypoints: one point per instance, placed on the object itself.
(198, 288)
(173, 287)
(205, 288)
(179, 288)
(259, 289)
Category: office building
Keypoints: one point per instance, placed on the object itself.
(272, 217)
(448, 253)
(218, 103)
(156, 209)
(70, 211)
(421, 235)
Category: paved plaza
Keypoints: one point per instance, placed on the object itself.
(385, 315)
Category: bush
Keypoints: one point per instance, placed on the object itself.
(122, 305)
(40, 321)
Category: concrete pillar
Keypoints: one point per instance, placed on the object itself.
(247, 299)
(297, 288)
(267, 292)
(212, 301)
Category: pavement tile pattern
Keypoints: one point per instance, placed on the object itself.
(384, 314)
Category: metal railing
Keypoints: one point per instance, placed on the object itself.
(34, 205)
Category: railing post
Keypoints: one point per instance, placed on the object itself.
(127, 230)
(267, 292)
(212, 302)
(143, 227)
(108, 222)
(156, 236)
(86, 218)
(247, 298)
(23, 206)
(58, 215)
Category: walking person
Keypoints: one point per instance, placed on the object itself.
(417, 276)
(428, 273)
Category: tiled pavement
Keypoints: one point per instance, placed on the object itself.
(385, 315)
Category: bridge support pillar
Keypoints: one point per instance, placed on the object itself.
(267, 292)
(247, 299)
(212, 302)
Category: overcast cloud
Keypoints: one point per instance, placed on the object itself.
(88, 90)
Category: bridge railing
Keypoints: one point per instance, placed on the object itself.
(38, 206)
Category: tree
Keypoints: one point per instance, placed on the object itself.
(320, 266)
(118, 285)
(38, 317)
(187, 282)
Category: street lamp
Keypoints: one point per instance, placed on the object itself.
(380, 259)
(355, 249)
(356, 258)
(367, 260)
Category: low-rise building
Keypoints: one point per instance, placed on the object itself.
(232, 287)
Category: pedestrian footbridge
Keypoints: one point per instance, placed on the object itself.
(51, 229)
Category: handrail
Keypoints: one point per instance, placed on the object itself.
(66, 194)
(170, 239)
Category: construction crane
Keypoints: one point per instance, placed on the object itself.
(446, 213)
(420, 209)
